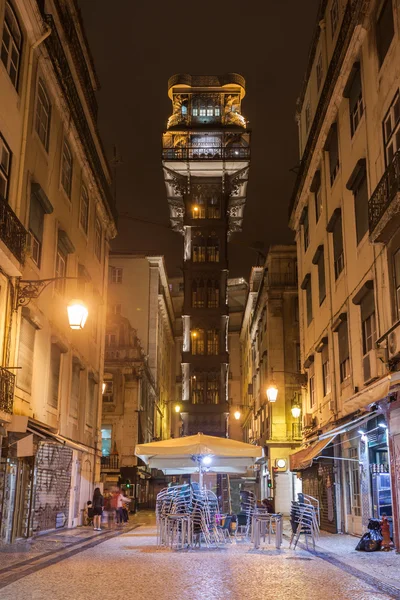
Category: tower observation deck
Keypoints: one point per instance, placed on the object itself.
(206, 159)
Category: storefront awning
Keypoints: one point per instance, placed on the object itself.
(376, 391)
(303, 458)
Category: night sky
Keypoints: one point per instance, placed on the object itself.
(137, 46)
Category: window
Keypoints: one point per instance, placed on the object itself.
(354, 468)
(213, 248)
(213, 208)
(195, 112)
(319, 72)
(91, 401)
(98, 235)
(61, 269)
(66, 169)
(210, 111)
(84, 210)
(212, 389)
(198, 293)
(25, 355)
(360, 191)
(55, 367)
(202, 112)
(212, 342)
(368, 321)
(197, 382)
(106, 440)
(326, 373)
(384, 29)
(116, 274)
(332, 147)
(217, 111)
(396, 277)
(391, 130)
(75, 388)
(306, 286)
(43, 113)
(212, 293)
(111, 340)
(11, 44)
(36, 223)
(334, 17)
(199, 209)
(315, 188)
(319, 260)
(5, 167)
(298, 358)
(312, 386)
(353, 91)
(108, 394)
(198, 248)
(198, 342)
(344, 359)
(335, 227)
(308, 116)
(306, 228)
(116, 309)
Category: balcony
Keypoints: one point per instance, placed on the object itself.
(179, 119)
(7, 381)
(128, 353)
(384, 204)
(281, 280)
(12, 232)
(110, 462)
(206, 153)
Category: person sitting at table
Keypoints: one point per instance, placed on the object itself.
(268, 505)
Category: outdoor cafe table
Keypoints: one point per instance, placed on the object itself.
(262, 525)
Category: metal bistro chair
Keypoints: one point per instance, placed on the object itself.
(225, 529)
(304, 521)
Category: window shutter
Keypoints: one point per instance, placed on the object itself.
(343, 341)
(36, 218)
(75, 389)
(367, 305)
(337, 238)
(25, 355)
(55, 362)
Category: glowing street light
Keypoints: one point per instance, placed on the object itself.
(296, 411)
(272, 392)
(237, 414)
(177, 408)
(77, 314)
(206, 461)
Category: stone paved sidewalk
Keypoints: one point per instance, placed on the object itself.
(340, 548)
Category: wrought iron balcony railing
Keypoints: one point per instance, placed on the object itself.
(12, 232)
(180, 119)
(281, 279)
(77, 55)
(206, 153)
(7, 382)
(66, 82)
(110, 462)
(385, 192)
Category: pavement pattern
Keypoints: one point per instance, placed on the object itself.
(128, 564)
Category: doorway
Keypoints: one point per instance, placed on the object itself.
(353, 493)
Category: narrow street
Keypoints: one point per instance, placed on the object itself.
(129, 565)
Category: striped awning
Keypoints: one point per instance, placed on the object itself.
(302, 459)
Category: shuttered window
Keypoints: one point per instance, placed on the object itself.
(91, 400)
(384, 29)
(55, 364)
(343, 341)
(368, 321)
(25, 355)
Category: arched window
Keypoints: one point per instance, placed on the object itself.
(198, 248)
(197, 384)
(11, 44)
(198, 293)
(212, 342)
(212, 393)
(212, 293)
(213, 248)
(198, 342)
(199, 209)
(213, 208)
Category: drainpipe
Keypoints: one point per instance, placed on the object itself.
(26, 119)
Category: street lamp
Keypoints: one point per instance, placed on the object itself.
(237, 414)
(296, 411)
(177, 408)
(272, 392)
(77, 314)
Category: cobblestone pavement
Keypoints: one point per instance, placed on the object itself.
(131, 566)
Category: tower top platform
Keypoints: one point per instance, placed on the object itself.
(184, 81)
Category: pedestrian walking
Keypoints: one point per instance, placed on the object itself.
(98, 504)
(120, 501)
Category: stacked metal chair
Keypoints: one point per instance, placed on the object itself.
(248, 503)
(304, 519)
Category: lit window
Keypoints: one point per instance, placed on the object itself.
(5, 163)
(202, 112)
(98, 234)
(210, 111)
(106, 438)
(66, 169)
(212, 342)
(11, 44)
(84, 210)
(217, 111)
(108, 394)
(43, 109)
(195, 112)
(198, 342)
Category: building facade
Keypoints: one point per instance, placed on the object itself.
(139, 370)
(206, 157)
(57, 218)
(270, 351)
(344, 212)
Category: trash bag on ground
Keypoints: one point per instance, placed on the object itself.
(371, 541)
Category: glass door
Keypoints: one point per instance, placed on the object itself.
(353, 495)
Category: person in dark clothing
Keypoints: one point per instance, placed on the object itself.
(98, 504)
(89, 512)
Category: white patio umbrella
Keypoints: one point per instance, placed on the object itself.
(199, 453)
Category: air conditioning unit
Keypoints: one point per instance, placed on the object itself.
(370, 366)
(308, 420)
(393, 344)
